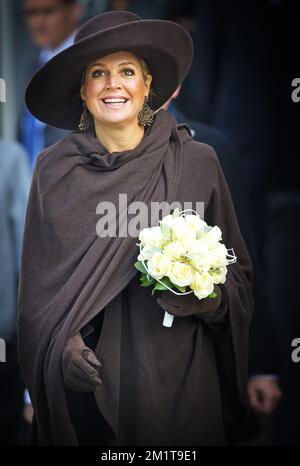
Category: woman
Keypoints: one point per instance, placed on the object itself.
(100, 367)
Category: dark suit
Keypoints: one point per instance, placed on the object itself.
(230, 87)
(241, 83)
(50, 133)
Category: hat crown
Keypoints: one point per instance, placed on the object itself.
(107, 20)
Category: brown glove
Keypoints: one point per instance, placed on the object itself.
(186, 305)
(80, 366)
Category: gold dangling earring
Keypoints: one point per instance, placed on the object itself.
(146, 115)
(84, 119)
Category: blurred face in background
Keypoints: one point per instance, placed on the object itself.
(50, 22)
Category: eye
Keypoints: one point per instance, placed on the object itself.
(128, 71)
(97, 73)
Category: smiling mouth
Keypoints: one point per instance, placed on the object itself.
(114, 102)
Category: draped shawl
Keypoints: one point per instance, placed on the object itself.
(69, 274)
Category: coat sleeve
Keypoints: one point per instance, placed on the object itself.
(231, 345)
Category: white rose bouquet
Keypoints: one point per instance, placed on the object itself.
(183, 255)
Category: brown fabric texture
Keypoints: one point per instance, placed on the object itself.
(178, 385)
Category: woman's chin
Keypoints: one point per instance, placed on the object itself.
(117, 119)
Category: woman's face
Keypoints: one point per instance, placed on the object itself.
(114, 89)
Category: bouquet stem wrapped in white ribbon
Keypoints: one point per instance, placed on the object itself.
(183, 255)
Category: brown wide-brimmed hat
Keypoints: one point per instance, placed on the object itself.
(53, 94)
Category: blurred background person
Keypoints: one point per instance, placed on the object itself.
(240, 83)
(282, 248)
(14, 188)
(52, 25)
(144, 8)
(264, 365)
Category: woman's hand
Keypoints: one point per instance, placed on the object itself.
(186, 305)
(80, 366)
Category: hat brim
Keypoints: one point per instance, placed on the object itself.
(53, 94)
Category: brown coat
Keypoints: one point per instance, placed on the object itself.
(181, 385)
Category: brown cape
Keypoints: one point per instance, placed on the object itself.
(180, 385)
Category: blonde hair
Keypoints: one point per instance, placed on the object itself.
(144, 67)
(145, 73)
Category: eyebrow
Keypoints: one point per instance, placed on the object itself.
(120, 64)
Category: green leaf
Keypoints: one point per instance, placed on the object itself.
(139, 265)
(212, 295)
(166, 281)
(168, 284)
(145, 281)
(146, 284)
(176, 213)
(158, 287)
(165, 229)
(181, 288)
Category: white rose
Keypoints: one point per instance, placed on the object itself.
(178, 227)
(201, 263)
(219, 275)
(174, 250)
(198, 247)
(167, 220)
(159, 265)
(199, 255)
(181, 233)
(202, 284)
(181, 274)
(147, 252)
(218, 255)
(212, 236)
(188, 239)
(194, 222)
(152, 237)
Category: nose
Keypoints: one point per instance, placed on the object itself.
(113, 82)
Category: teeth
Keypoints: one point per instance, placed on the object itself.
(108, 101)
